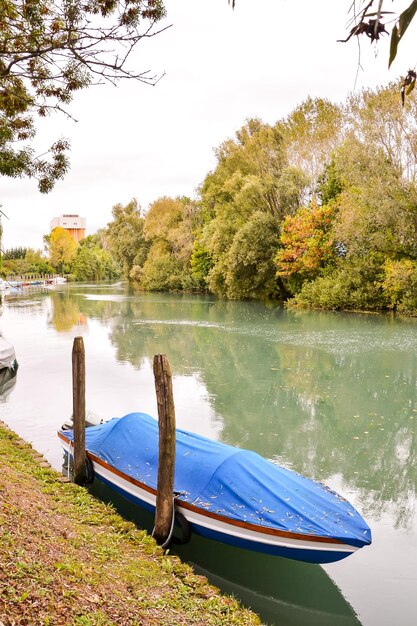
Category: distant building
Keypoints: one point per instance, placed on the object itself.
(74, 224)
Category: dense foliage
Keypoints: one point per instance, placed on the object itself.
(319, 209)
(87, 260)
(92, 261)
(24, 261)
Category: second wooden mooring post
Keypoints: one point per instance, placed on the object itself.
(78, 409)
(166, 455)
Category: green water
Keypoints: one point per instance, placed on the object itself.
(332, 396)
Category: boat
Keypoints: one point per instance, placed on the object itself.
(7, 355)
(56, 280)
(225, 493)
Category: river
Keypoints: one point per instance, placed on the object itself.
(330, 395)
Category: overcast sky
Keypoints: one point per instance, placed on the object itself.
(221, 67)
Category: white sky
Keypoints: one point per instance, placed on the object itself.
(222, 66)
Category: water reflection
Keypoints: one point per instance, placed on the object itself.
(280, 591)
(325, 395)
(65, 312)
(332, 396)
(8, 379)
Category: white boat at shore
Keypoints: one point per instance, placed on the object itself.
(57, 280)
(13, 285)
(7, 355)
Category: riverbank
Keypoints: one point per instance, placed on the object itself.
(66, 558)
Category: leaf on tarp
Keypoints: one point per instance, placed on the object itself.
(399, 29)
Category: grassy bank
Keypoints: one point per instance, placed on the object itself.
(66, 558)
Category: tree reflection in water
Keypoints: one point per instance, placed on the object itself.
(325, 394)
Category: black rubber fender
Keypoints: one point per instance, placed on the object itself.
(89, 471)
(185, 528)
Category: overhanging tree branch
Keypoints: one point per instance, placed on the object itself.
(50, 49)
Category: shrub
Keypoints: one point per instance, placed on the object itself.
(354, 285)
(400, 286)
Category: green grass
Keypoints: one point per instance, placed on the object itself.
(66, 558)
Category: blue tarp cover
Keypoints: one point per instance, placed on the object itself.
(229, 481)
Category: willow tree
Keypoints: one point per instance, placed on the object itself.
(169, 228)
(125, 236)
(378, 119)
(252, 178)
(312, 131)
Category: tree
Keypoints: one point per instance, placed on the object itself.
(252, 176)
(37, 263)
(163, 215)
(250, 262)
(400, 285)
(62, 249)
(307, 242)
(20, 261)
(201, 263)
(377, 207)
(169, 227)
(125, 236)
(248, 171)
(161, 270)
(48, 51)
(93, 263)
(311, 133)
(15, 253)
(374, 230)
(378, 120)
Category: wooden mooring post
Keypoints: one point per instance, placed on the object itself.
(78, 409)
(166, 455)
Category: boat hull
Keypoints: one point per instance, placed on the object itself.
(7, 355)
(218, 528)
